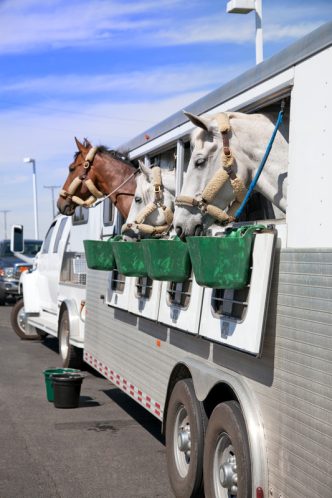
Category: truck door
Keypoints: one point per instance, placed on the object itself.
(49, 264)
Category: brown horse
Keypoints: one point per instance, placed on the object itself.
(96, 172)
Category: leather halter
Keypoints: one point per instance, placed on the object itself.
(157, 203)
(225, 173)
(95, 193)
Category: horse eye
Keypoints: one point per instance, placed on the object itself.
(200, 161)
(138, 199)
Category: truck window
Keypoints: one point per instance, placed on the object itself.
(80, 216)
(47, 241)
(59, 234)
(108, 213)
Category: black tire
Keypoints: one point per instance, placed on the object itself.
(227, 449)
(185, 416)
(18, 325)
(2, 297)
(71, 356)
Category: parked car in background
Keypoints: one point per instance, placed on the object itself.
(11, 267)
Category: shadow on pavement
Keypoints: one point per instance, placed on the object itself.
(138, 413)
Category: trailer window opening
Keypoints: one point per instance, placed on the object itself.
(108, 213)
(258, 206)
(165, 160)
(143, 287)
(230, 303)
(179, 293)
(118, 282)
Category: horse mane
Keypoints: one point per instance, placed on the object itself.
(102, 149)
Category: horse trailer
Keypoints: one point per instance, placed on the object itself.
(239, 379)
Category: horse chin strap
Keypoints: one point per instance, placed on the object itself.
(150, 208)
(224, 174)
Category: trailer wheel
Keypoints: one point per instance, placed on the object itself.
(185, 431)
(227, 468)
(17, 320)
(70, 355)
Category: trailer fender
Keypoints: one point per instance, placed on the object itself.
(205, 378)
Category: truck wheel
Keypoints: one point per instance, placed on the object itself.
(70, 355)
(227, 468)
(2, 297)
(17, 320)
(185, 431)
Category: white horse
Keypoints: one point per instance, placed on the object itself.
(153, 204)
(248, 137)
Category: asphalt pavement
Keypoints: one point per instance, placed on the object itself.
(109, 447)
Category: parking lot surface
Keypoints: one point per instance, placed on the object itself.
(109, 447)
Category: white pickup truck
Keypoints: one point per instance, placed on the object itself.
(54, 289)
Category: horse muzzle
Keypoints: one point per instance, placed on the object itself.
(187, 222)
(66, 206)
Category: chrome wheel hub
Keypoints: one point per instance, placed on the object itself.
(182, 442)
(21, 319)
(225, 469)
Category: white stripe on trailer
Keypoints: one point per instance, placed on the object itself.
(133, 391)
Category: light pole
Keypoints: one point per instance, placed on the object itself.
(34, 187)
(52, 187)
(5, 211)
(244, 7)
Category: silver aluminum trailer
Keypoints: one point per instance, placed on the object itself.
(260, 379)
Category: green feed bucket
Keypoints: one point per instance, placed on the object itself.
(99, 254)
(223, 262)
(49, 382)
(129, 258)
(167, 259)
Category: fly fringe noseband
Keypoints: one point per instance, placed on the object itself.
(95, 193)
(77, 182)
(157, 203)
(224, 174)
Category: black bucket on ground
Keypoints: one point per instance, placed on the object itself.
(67, 389)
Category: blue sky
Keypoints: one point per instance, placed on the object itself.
(107, 70)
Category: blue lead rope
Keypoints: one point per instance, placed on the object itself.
(262, 164)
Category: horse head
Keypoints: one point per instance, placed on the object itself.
(205, 160)
(153, 205)
(74, 187)
(94, 173)
(227, 149)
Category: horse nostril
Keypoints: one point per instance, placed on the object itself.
(178, 231)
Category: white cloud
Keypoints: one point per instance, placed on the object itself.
(30, 25)
(156, 82)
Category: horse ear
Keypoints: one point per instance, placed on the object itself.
(145, 170)
(200, 121)
(80, 146)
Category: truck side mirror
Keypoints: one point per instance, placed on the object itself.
(16, 239)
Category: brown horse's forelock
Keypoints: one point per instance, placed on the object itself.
(102, 149)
